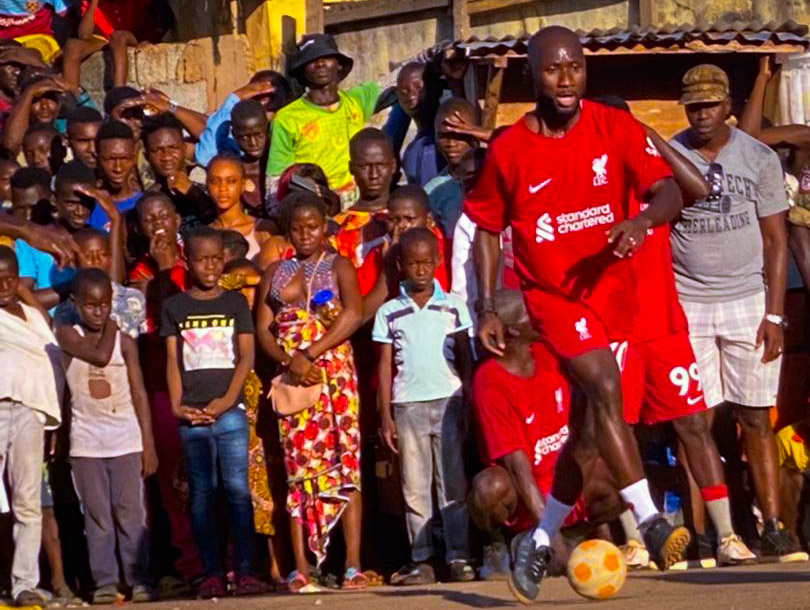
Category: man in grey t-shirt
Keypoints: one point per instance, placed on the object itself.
(727, 249)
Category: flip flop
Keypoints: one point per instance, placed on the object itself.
(298, 583)
(354, 579)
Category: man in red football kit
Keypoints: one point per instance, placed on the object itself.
(561, 178)
(660, 373)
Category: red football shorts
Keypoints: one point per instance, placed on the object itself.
(569, 328)
(660, 379)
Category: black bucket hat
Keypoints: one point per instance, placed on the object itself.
(315, 46)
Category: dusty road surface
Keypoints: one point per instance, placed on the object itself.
(765, 587)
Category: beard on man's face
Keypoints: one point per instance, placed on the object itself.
(551, 111)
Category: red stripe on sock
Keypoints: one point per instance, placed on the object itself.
(718, 492)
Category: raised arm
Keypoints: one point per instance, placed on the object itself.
(95, 351)
(751, 116)
(88, 23)
(117, 230)
(692, 182)
(20, 117)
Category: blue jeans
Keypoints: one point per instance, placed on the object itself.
(431, 439)
(220, 449)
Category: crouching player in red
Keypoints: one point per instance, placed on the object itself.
(520, 440)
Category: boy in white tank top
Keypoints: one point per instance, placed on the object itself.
(111, 445)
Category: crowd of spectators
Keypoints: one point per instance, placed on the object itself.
(223, 335)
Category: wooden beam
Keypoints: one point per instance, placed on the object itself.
(486, 6)
(461, 20)
(314, 16)
(646, 8)
(375, 9)
(492, 97)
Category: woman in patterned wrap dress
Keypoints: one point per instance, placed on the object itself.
(322, 443)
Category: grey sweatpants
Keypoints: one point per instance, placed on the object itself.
(22, 441)
(111, 493)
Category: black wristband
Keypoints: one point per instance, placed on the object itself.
(483, 306)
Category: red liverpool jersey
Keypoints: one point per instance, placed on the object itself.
(561, 196)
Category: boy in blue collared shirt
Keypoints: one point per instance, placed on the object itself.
(424, 332)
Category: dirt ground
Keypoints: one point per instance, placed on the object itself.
(785, 587)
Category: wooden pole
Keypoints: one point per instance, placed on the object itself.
(314, 16)
(461, 20)
(492, 96)
(646, 8)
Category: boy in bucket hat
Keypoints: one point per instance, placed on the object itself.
(317, 127)
(726, 249)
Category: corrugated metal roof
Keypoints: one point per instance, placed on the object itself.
(734, 34)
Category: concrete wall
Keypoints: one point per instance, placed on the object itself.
(382, 44)
(689, 11)
(574, 14)
(194, 74)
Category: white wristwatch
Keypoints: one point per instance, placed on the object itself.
(776, 319)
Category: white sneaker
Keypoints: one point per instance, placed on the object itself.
(732, 551)
(636, 556)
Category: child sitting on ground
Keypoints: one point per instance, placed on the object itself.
(111, 445)
(210, 352)
(422, 409)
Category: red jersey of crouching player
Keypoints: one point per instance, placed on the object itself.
(528, 414)
(561, 196)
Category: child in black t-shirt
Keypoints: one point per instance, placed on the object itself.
(209, 344)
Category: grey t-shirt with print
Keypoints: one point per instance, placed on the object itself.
(716, 243)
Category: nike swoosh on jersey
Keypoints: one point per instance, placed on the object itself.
(693, 401)
(530, 419)
(535, 188)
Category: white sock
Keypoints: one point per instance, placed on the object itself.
(638, 496)
(553, 517)
(630, 526)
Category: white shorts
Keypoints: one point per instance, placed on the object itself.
(723, 337)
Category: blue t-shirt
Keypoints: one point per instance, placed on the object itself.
(41, 266)
(421, 160)
(99, 218)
